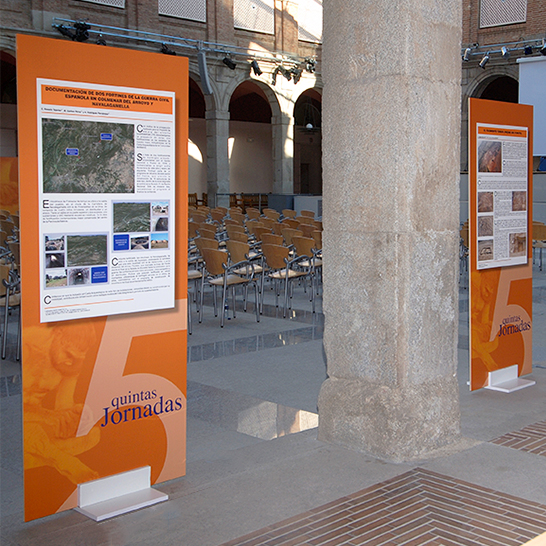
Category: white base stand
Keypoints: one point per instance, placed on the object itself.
(507, 380)
(115, 495)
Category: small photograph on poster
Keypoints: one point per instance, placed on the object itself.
(161, 224)
(55, 278)
(87, 156)
(131, 217)
(86, 250)
(54, 243)
(519, 200)
(485, 250)
(160, 240)
(485, 201)
(485, 226)
(518, 244)
(79, 276)
(141, 242)
(54, 260)
(490, 156)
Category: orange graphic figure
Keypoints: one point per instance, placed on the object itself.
(54, 360)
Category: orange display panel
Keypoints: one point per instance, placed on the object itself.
(105, 394)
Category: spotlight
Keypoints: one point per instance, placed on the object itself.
(484, 61)
(82, 31)
(528, 50)
(466, 54)
(65, 31)
(542, 50)
(310, 65)
(505, 52)
(286, 73)
(166, 50)
(296, 73)
(229, 63)
(100, 40)
(256, 68)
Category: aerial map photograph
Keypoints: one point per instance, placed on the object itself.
(87, 157)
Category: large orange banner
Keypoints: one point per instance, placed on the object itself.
(106, 394)
(501, 288)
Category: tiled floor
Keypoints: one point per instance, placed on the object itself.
(416, 508)
(531, 439)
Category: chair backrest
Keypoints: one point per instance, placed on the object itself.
(197, 215)
(253, 213)
(272, 239)
(235, 228)
(238, 251)
(214, 260)
(271, 213)
(304, 246)
(4, 275)
(205, 231)
(259, 231)
(192, 229)
(268, 222)
(275, 256)
(288, 233)
(291, 222)
(252, 225)
(308, 213)
(317, 236)
(8, 226)
(277, 228)
(289, 213)
(217, 215)
(238, 236)
(203, 243)
(307, 229)
(239, 217)
(192, 199)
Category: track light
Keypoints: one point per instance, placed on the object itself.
(100, 40)
(466, 54)
(310, 65)
(82, 31)
(256, 68)
(166, 50)
(286, 73)
(528, 50)
(229, 62)
(65, 31)
(505, 52)
(484, 61)
(296, 73)
(274, 76)
(543, 48)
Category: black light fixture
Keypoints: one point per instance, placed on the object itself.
(285, 72)
(228, 61)
(296, 74)
(310, 65)
(100, 40)
(484, 61)
(505, 52)
(274, 75)
(65, 31)
(466, 54)
(542, 49)
(166, 50)
(256, 68)
(82, 31)
(528, 50)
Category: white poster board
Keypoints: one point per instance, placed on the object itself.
(106, 189)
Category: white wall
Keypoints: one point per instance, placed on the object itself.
(197, 160)
(251, 157)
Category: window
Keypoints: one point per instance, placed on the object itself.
(310, 20)
(502, 12)
(194, 10)
(255, 15)
(112, 3)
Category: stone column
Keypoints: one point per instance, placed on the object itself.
(283, 153)
(391, 121)
(217, 156)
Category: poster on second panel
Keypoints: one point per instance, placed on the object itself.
(106, 182)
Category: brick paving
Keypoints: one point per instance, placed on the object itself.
(417, 508)
(531, 439)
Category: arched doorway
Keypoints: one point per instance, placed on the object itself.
(503, 88)
(197, 143)
(308, 143)
(250, 140)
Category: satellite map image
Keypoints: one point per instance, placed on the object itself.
(87, 157)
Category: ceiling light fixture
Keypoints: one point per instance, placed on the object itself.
(166, 50)
(256, 68)
(227, 60)
(484, 61)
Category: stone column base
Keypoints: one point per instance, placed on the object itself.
(396, 424)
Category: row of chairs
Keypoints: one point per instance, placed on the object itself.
(231, 249)
(10, 268)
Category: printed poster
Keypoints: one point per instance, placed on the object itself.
(501, 276)
(502, 195)
(107, 182)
